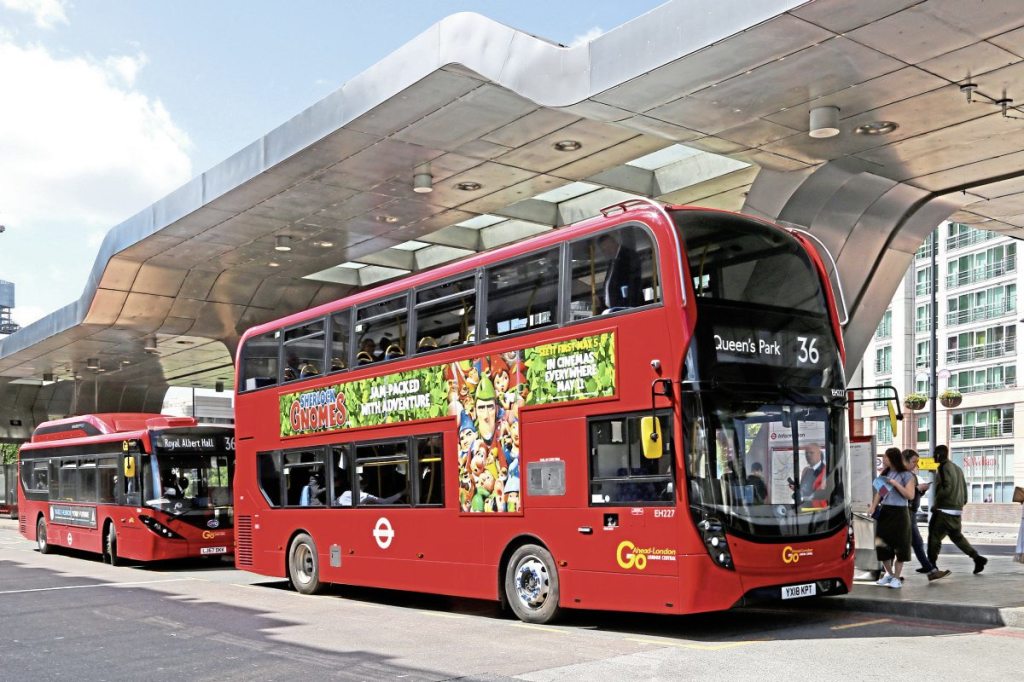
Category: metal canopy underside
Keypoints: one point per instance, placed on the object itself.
(724, 88)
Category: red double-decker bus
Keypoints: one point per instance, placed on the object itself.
(141, 487)
(640, 412)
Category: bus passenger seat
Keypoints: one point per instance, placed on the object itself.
(393, 351)
(426, 343)
(308, 370)
(363, 358)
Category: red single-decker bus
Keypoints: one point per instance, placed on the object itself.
(141, 487)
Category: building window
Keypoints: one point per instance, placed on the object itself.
(923, 354)
(982, 344)
(978, 267)
(883, 360)
(981, 305)
(923, 432)
(924, 282)
(995, 422)
(923, 318)
(984, 379)
(989, 472)
(883, 430)
(884, 330)
(961, 235)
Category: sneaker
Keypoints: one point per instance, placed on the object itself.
(937, 574)
(924, 570)
(979, 564)
(895, 583)
(885, 579)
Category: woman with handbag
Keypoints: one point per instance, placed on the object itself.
(893, 490)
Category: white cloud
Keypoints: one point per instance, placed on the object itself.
(126, 66)
(81, 149)
(586, 37)
(46, 13)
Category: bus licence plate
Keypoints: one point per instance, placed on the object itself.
(223, 550)
(797, 591)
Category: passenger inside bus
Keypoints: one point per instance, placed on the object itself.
(345, 499)
(312, 493)
(622, 276)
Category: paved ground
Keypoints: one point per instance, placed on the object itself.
(72, 616)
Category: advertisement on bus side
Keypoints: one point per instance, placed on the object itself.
(483, 394)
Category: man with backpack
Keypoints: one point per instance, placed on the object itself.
(950, 497)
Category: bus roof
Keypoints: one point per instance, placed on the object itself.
(107, 423)
(635, 209)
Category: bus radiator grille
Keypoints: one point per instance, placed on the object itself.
(243, 550)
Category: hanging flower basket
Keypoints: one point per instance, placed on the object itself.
(950, 398)
(915, 401)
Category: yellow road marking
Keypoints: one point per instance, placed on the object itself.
(437, 614)
(539, 627)
(697, 645)
(862, 623)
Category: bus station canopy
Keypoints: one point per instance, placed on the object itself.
(693, 102)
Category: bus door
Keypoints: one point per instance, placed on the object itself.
(628, 527)
(128, 497)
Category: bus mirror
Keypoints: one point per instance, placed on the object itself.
(129, 466)
(650, 436)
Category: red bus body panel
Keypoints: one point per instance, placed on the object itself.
(445, 551)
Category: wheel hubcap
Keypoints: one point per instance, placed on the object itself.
(304, 564)
(41, 535)
(532, 583)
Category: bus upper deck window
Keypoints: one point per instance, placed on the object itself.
(523, 294)
(612, 271)
(259, 361)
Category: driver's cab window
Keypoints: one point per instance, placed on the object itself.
(619, 470)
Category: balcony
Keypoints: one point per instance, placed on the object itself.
(985, 351)
(884, 331)
(923, 325)
(925, 252)
(969, 238)
(923, 288)
(882, 367)
(974, 275)
(979, 313)
(1000, 429)
(990, 386)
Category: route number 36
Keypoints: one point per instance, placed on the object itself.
(808, 352)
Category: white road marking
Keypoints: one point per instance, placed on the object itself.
(79, 587)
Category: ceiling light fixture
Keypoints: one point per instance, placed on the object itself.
(824, 122)
(47, 376)
(219, 387)
(326, 245)
(422, 180)
(876, 128)
(282, 243)
(149, 345)
(92, 363)
(389, 219)
(273, 264)
(469, 186)
(567, 145)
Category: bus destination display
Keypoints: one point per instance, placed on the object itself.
(760, 347)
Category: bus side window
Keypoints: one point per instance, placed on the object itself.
(304, 350)
(523, 294)
(428, 482)
(381, 329)
(259, 361)
(106, 474)
(445, 314)
(612, 271)
(268, 471)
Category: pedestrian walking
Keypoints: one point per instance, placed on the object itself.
(912, 459)
(893, 490)
(950, 498)
(1018, 496)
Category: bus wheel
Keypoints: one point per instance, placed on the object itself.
(531, 584)
(110, 546)
(303, 565)
(41, 543)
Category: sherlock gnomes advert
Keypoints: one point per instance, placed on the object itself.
(483, 395)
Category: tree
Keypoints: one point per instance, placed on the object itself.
(8, 452)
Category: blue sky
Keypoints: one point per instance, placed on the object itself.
(117, 103)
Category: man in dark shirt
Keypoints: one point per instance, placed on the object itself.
(622, 278)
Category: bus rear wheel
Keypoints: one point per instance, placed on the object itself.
(110, 546)
(41, 543)
(531, 584)
(303, 565)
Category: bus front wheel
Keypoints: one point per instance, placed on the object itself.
(41, 543)
(531, 584)
(110, 546)
(303, 565)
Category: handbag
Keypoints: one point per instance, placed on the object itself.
(1018, 494)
